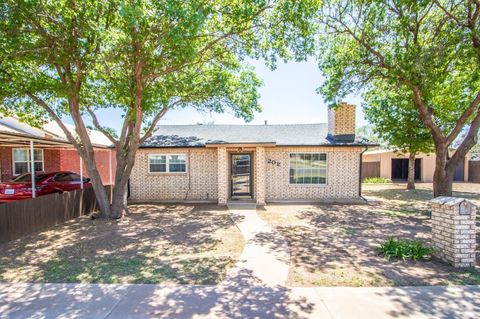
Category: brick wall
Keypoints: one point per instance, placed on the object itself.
(341, 120)
(223, 174)
(260, 175)
(199, 183)
(453, 231)
(342, 175)
(6, 163)
(270, 182)
(69, 160)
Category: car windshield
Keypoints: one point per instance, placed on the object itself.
(28, 177)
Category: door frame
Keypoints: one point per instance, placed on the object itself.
(230, 175)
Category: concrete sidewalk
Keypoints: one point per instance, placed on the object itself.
(159, 301)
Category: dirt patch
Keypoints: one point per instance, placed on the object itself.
(334, 245)
(180, 244)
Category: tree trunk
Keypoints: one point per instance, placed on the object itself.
(125, 163)
(98, 188)
(411, 171)
(443, 175)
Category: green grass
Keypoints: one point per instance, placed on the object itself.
(205, 271)
(377, 180)
(404, 249)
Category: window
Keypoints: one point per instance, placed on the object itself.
(172, 163)
(21, 160)
(67, 177)
(308, 168)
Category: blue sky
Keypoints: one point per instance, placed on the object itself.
(288, 96)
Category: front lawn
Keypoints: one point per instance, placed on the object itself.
(180, 244)
(335, 245)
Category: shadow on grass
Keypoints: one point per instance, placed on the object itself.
(335, 245)
(154, 244)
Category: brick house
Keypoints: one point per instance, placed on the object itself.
(52, 152)
(263, 163)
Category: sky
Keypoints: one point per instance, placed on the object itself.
(288, 96)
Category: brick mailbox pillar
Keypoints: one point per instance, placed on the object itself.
(453, 230)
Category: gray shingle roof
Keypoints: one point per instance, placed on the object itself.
(281, 135)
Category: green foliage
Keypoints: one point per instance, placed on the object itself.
(395, 119)
(404, 249)
(396, 51)
(367, 132)
(377, 180)
(188, 53)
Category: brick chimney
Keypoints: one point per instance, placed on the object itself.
(341, 122)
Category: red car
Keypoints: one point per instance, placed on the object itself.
(45, 183)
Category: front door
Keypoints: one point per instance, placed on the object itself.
(241, 173)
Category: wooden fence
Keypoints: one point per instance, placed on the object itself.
(31, 215)
(474, 171)
(370, 169)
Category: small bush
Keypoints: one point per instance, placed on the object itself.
(404, 249)
(377, 180)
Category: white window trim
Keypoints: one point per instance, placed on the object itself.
(309, 185)
(167, 163)
(28, 161)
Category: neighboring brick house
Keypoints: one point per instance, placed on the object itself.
(51, 151)
(266, 163)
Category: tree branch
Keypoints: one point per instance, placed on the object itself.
(426, 115)
(152, 127)
(96, 123)
(463, 119)
(55, 117)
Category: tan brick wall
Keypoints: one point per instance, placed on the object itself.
(342, 119)
(207, 176)
(223, 180)
(342, 175)
(453, 231)
(260, 175)
(199, 183)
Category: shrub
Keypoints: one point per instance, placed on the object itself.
(404, 249)
(377, 180)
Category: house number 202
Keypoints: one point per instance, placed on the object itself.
(273, 162)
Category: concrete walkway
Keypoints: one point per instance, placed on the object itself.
(265, 259)
(160, 301)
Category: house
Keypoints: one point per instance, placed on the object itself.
(52, 151)
(393, 165)
(263, 163)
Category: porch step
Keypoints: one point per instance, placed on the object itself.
(242, 204)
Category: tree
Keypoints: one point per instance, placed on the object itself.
(430, 49)
(396, 121)
(73, 58)
(67, 58)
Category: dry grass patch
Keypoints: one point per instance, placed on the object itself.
(180, 244)
(334, 245)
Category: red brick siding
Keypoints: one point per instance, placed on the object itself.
(50, 160)
(62, 160)
(70, 161)
(6, 163)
